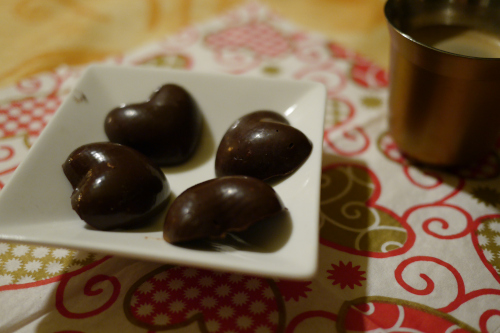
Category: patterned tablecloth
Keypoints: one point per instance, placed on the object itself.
(403, 248)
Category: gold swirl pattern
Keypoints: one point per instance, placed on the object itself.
(488, 239)
(348, 216)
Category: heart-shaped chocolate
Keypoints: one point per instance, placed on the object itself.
(263, 145)
(166, 128)
(115, 186)
(215, 207)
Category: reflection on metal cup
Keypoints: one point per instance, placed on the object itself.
(444, 101)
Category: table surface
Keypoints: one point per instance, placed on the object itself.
(39, 36)
(403, 248)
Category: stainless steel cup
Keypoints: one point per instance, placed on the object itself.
(444, 107)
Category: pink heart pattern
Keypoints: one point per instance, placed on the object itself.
(261, 38)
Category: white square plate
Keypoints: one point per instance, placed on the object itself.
(35, 204)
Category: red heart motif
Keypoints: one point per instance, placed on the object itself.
(173, 297)
(381, 314)
(368, 75)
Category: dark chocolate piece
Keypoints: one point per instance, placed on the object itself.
(263, 145)
(215, 207)
(166, 128)
(114, 186)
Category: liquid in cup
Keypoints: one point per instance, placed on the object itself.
(444, 104)
(459, 40)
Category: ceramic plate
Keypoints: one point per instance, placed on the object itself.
(35, 205)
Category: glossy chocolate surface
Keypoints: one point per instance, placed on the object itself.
(114, 186)
(263, 145)
(215, 207)
(166, 128)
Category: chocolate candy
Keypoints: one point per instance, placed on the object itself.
(215, 207)
(115, 186)
(263, 145)
(166, 128)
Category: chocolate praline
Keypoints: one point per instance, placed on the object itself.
(115, 186)
(263, 145)
(215, 207)
(166, 128)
